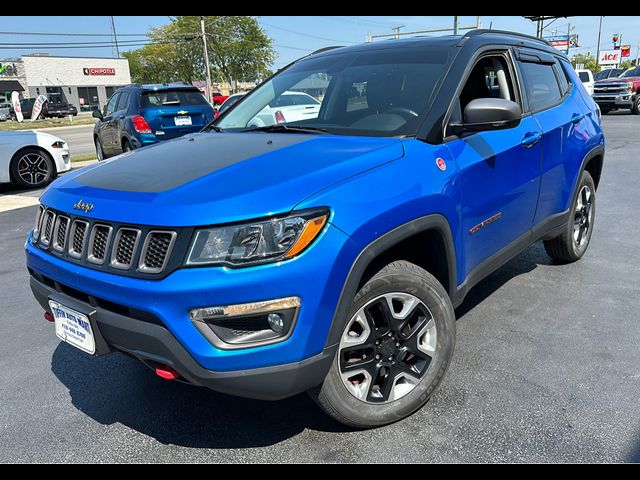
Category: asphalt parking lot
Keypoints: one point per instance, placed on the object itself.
(547, 369)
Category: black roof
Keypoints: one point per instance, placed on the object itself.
(479, 36)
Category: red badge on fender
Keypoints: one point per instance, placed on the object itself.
(441, 165)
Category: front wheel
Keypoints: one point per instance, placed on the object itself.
(635, 109)
(99, 151)
(394, 350)
(571, 244)
(32, 168)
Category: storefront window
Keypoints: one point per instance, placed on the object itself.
(88, 99)
(56, 95)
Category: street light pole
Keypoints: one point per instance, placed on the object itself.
(206, 61)
(598, 48)
(455, 25)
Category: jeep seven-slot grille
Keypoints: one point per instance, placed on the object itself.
(106, 246)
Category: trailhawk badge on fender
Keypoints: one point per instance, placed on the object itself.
(441, 164)
(85, 207)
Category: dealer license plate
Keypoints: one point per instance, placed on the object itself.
(73, 327)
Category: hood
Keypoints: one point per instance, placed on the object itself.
(619, 80)
(212, 178)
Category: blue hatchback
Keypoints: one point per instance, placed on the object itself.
(140, 115)
(326, 251)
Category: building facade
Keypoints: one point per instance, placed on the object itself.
(85, 82)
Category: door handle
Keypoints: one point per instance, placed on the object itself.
(530, 139)
(577, 117)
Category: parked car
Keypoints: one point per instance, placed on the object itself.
(140, 115)
(609, 73)
(622, 92)
(287, 107)
(586, 77)
(327, 254)
(5, 109)
(26, 105)
(32, 159)
(61, 109)
(232, 100)
(218, 98)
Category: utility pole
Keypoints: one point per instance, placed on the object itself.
(598, 48)
(455, 25)
(637, 53)
(206, 61)
(115, 36)
(569, 28)
(397, 30)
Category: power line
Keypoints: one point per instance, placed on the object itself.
(306, 34)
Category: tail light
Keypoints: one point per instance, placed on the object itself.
(140, 124)
(279, 117)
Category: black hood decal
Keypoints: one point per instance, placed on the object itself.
(171, 164)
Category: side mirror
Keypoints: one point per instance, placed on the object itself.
(484, 114)
(97, 114)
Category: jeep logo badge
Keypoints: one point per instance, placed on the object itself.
(85, 207)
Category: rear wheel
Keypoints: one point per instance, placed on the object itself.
(394, 350)
(126, 146)
(573, 242)
(32, 168)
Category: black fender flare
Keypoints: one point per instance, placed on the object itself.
(382, 243)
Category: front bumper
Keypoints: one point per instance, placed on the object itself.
(300, 362)
(614, 100)
(62, 159)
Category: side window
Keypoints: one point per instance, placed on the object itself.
(490, 78)
(541, 85)
(563, 76)
(123, 103)
(111, 106)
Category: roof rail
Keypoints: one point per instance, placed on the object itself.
(326, 49)
(482, 31)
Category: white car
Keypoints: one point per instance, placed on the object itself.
(289, 107)
(32, 159)
(586, 77)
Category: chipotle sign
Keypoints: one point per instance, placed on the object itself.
(99, 71)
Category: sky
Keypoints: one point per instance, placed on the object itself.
(295, 36)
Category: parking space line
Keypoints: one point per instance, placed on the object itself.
(14, 202)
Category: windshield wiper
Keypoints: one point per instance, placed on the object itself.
(282, 128)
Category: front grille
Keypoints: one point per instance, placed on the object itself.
(154, 252)
(47, 228)
(122, 249)
(78, 236)
(98, 243)
(612, 88)
(60, 233)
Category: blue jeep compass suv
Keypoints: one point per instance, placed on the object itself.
(140, 115)
(327, 254)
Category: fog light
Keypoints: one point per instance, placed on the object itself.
(276, 322)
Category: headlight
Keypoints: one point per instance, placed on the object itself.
(257, 242)
(58, 145)
(630, 86)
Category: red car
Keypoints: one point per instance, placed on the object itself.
(218, 98)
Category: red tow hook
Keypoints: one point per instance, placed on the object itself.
(167, 372)
(48, 317)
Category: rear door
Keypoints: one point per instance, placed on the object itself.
(550, 99)
(174, 112)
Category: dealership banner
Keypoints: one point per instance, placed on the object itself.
(37, 106)
(15, 101)
(609, 57)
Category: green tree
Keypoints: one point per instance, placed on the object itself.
(239, 50)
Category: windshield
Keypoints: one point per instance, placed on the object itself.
(634, 72)
(172, 98)
(371, 93)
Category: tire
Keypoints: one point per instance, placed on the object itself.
(126, 146)
(32, 168)
(360, 401)
(99, 150)
(635, 109)
(572, 244)
(605, 111)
